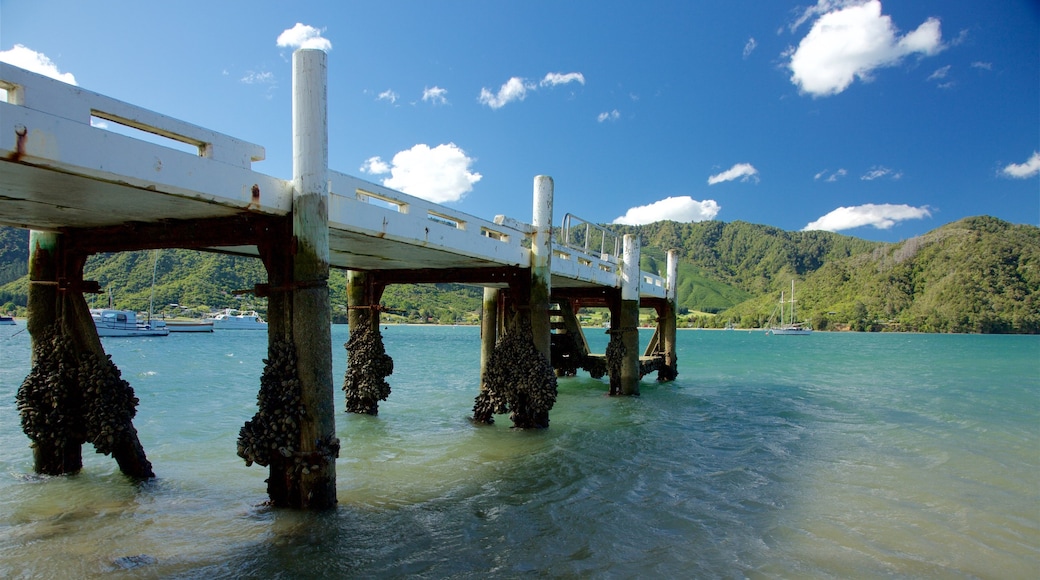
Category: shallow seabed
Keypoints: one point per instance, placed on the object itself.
(826, 456)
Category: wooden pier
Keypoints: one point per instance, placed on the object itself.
(82, 190)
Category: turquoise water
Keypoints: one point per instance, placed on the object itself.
(827, 456)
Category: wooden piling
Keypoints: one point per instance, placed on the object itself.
(541, 262)
(99, 409)
(311, 310)
(62, 455)
(628, 324)
(488, 329)
(368, 365)
(666, 322)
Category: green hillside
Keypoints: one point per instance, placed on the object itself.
(979, 274)
(698, 291)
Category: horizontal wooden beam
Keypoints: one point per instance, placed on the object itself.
(244, 229)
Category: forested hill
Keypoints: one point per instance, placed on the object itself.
(979, 274)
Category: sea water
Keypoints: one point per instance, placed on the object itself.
(825, 456)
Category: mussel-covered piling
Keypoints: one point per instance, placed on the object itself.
(519, 380)
(368, 365)
(50, 405)
(275, 429)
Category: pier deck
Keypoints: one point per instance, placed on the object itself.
(83, 189)
(60, 172)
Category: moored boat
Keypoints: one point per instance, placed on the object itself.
(6, 321)
(231, 319)
(189, 325)
(111, 322)
(791, 326)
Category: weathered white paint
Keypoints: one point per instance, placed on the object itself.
(72, 103)
(70, 174)
(541, 244)
(541, 261)
(310, 123)
(311, 150)
(630, 275)
(672, 271)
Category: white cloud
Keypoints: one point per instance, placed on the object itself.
(608, 116)
(435, 95)
(253, 78)
(553, 79)
(1024, 170)
(940, 73)
(835, 176)
(879, 171)
(821, 7)
(515, 89)
(440, 174)
(36, 62)
(303, 36)
(881, 216)
(387, 95)
(741, 171)
(750, 46)
(375, 166)
(982, 65)
(679, 209)
(849, 41)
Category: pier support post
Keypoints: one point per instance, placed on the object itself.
(489, 400)
(541, 262)
(311, 310)
(516, 373)
(74, 392)
(58, 451)
(294, 431)
(488, 329)
(628, 325)
(368, 365)
(666, 323)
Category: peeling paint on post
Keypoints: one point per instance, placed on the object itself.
(311, 310)
(541, 262)
(666, 320)
(629, 323)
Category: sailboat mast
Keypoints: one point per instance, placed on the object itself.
(792, 302)
(151, 299)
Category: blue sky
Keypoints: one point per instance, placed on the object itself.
(881, 120)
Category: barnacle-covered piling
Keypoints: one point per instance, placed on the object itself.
(615, 355)
(519, 380)
(275, 429)
(69, 399)
(110, 407)
(50, 405)
(368, 365)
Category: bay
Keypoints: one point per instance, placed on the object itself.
(829, 456)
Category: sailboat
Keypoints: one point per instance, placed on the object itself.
(112, 322)
(791, 326)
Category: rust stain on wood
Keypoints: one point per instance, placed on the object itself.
(20, 132)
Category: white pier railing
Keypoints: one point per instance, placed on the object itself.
(60, 170)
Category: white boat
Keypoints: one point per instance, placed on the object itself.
(189, 325)
(231, 319)
(6, 321)
(111, 322)
(790, 326)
